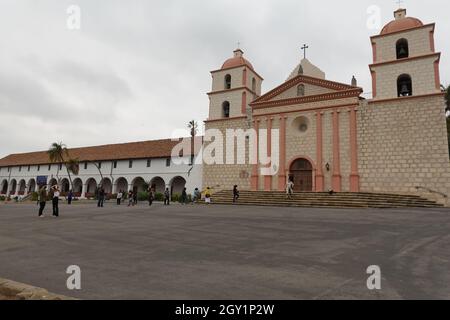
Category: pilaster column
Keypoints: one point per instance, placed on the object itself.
(255, 173)
(282, 169)
(320, 184)
(354, 175)
(337, 178)
(268, 179)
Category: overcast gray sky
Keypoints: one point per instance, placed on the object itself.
(139, 69)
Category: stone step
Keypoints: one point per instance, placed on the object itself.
(310, 199)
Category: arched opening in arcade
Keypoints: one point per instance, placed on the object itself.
(4, 187)
(138, 185)
(13, 187)
(121, 185)
(22, 187)
(77, 187)
(106, 184)
(91, 187)
(32, 186)
(158, 184)
(65, 186)
(177, 185)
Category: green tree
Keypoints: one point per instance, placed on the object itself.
(58, 153)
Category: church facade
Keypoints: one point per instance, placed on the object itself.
(330, 137)
(324, 134)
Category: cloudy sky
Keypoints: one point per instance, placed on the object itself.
(139, 69)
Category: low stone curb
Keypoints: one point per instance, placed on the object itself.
(18, 291)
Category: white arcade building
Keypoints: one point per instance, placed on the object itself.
(127, 166)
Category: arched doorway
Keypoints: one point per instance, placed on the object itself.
(106, 185)
(301, 173)
(77, 187)
(31, 186)
(158, 184)
(4, 188)
(177, 184)
(22, 187)
(138, 184)
(91, 187)
(65, 186)
(13, 187)
(121, 185)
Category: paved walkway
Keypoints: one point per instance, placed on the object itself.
(228, 252)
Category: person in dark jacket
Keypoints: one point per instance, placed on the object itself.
(69, 197)
(42, 200)
(183, 199)
(235, 193)
(101, 197)
(55, 201)
(167, 197)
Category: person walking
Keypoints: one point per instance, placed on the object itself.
(119, 197)
(130, 198)
(235, 193)
(196, 196)
(42, 198)
(55, 201)
(289, 189)
(167, 197)
(101, 197)
(184, 196)
(151, 196)
(135, 197)
(69, 197)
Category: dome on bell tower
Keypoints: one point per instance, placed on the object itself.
(401, 23)
(237, 61)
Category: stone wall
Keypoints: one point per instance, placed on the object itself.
(402, 144)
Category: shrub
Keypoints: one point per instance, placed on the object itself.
(34, 196)
(142, 196)
(159, 196)
(2, 198)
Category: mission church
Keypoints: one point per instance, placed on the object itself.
(330, 137)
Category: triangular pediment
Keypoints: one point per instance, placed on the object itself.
(303, 86)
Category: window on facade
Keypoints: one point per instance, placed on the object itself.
(60, 166)
(20, 168)
(38, 167)
(9, 169)
(130, 164)
(115, 164)
(168, 162)
(402, 49)
(227, 81)
(301, 90)
(254, 85)
(404, 86)
(226, 109)
(149, 163)
(99, 164)
(85, 165)
(28, 168)
(49, 167)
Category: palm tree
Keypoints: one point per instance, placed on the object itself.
(193, 126)
(58, 153)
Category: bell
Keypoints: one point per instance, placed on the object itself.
(402, 53)
(404, 90)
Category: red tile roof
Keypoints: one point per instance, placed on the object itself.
(122, 151)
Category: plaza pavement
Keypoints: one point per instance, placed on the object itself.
(228, 252)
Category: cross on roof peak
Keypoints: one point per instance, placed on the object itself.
(304, 50)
